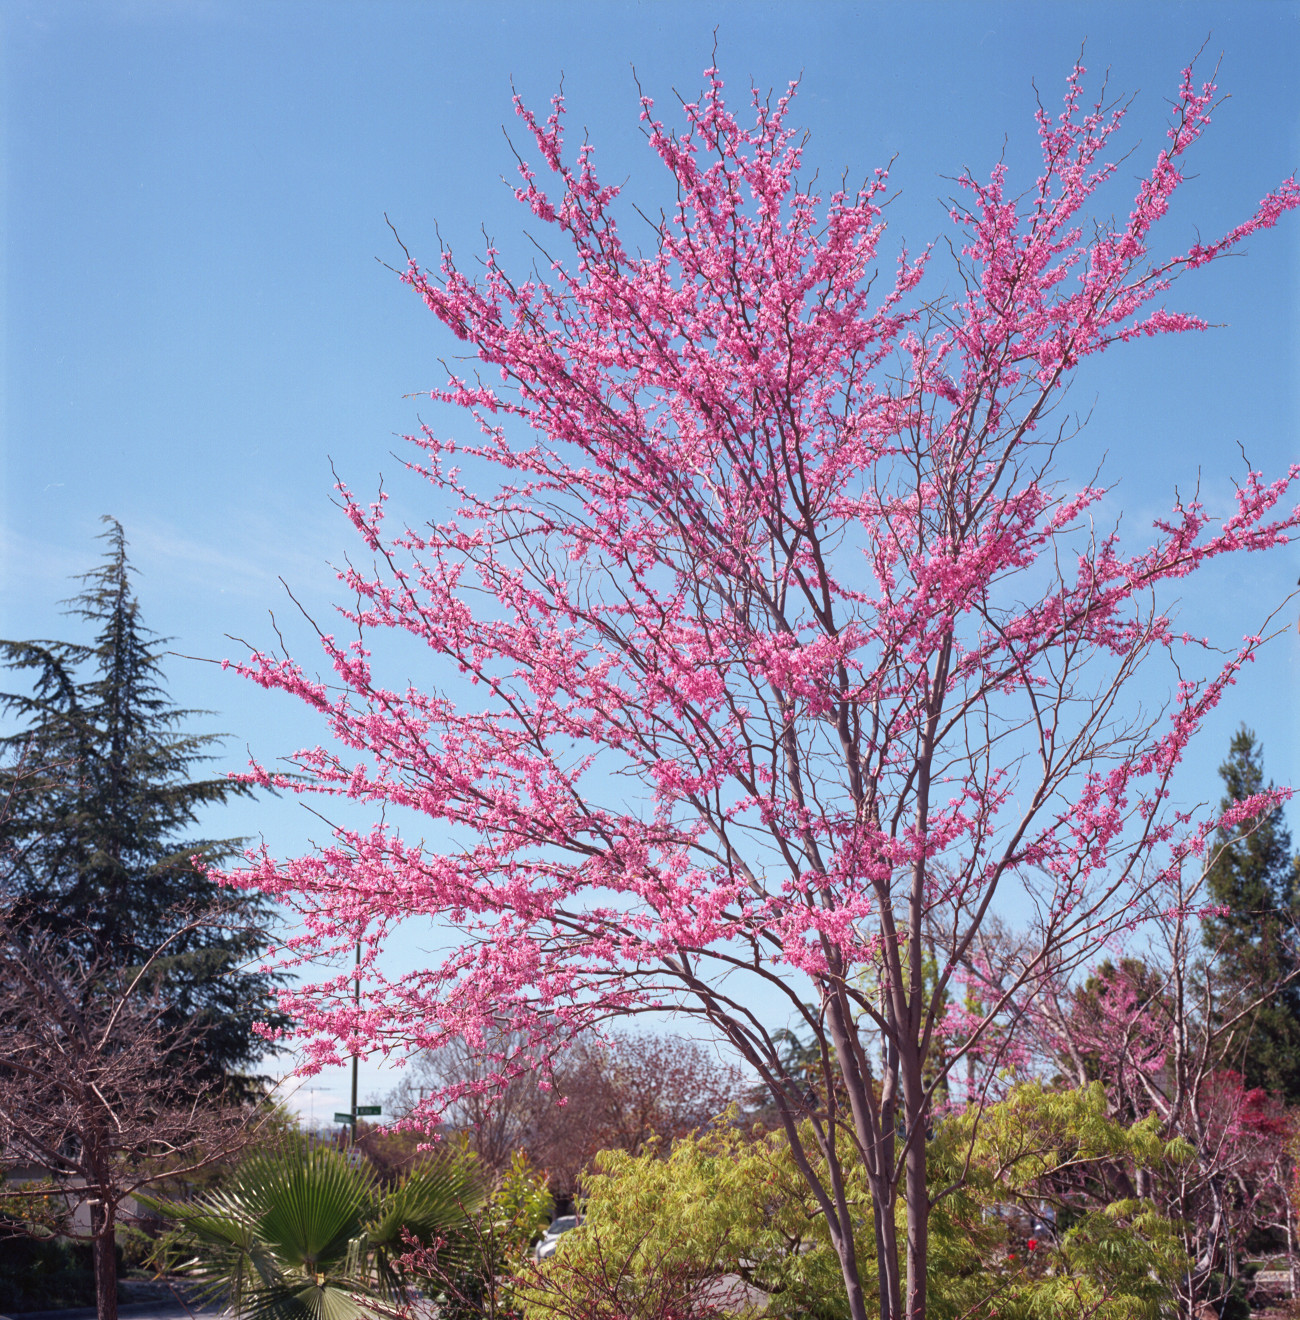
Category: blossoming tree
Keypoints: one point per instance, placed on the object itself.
(782, 640)
(1160, 1033)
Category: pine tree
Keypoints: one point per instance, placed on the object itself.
(1255, 878)
(100, 804)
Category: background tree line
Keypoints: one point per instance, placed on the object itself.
(129, 988)
(130, 1006)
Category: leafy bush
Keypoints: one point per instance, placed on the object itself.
(468, 1275)
(1003, 1243)
(136, 1247)
(727, 1202)
(721, 1202)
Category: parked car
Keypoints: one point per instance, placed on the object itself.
(551, 1238)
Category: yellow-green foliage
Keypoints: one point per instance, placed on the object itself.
(518, 1211)
(1114, 1262)
(1118, 1263)
(724, 1200)
(1038, 1131)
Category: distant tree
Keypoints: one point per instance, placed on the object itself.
(1254, 878)
(630, 1092)
(639, 1088)
(100, 805)
(1119, 1033)
(621, 1093)
(1154, 1031)
(497, 1120)
(100, 1098)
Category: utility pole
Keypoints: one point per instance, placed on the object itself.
(349, 1118)
(356, 998)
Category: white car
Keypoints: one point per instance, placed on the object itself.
(551, 1238)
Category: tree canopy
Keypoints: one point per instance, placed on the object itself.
(97, 839)
(1254, 880)
(772, 639)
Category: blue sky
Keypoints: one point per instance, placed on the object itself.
(197, 319)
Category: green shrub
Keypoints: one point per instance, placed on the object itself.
(727, 1202)
(467, 1276)
(135, 1245)
(720, 1202)
(1043, 1151)
(306, 1233)
(45, 1274)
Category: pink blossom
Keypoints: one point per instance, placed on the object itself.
(782, 650)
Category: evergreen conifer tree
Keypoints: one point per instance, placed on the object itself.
(101, 801)
(1255, 878)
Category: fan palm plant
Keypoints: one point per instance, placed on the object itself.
(305, 1235)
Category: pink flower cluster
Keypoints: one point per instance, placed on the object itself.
(774, 642)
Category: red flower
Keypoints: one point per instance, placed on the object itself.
(1032, 1244)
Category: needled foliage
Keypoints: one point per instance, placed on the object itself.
(97, 837)
(1254, 880)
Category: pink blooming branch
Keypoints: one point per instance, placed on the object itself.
(778, 647)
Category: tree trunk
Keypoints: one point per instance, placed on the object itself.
(918, 1228)
(916, 1194)
(104, 1249)
(875, 1140)
(1293, 1274)
(853, 1285)
(890, 1285)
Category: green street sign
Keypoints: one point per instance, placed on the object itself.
(344, 1118)
(370, 1110)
